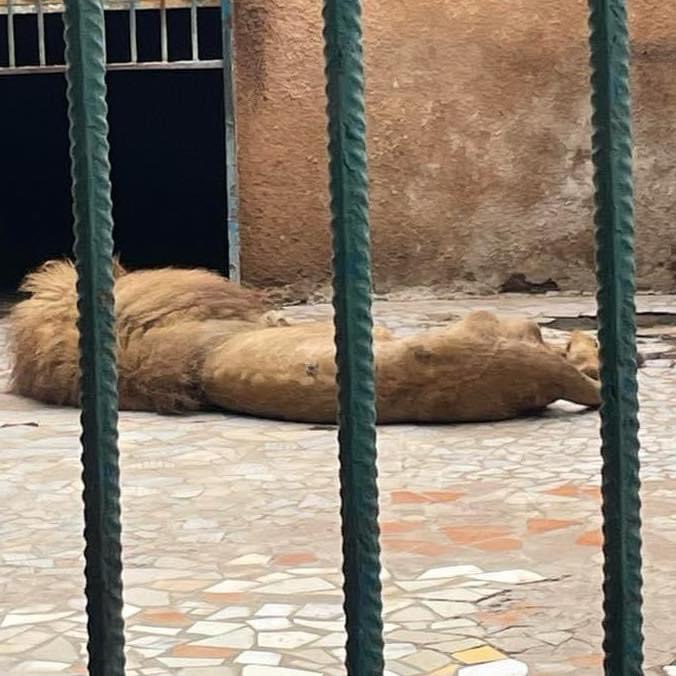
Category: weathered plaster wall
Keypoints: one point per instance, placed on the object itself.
(478, 122)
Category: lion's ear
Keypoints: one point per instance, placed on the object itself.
(118, 268)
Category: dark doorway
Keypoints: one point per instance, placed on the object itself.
(168, 169)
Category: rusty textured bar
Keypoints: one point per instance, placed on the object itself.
(10, 34)
(41, 34)
(353, 335)
(84, 29)
(615, 269)
(133, 45)
(194, 34)
(231, 172)
(164, 43)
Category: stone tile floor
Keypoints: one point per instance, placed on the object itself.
(490, 533)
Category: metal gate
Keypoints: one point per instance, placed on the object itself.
(40, 62)
(85, 57)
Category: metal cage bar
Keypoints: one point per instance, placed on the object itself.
(11, 47)
(41, 34)
(133, 37)
(164, 38)
(609, 41)
(194, 33)
(353, 326)
(231, 171)
(93, 227)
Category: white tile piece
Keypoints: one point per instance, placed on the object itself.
(260, 670)
(41, 666)
(182, 662)
(144, 597)
(322, 625)
(231, 586)
(447, 572)
(297, 586)
(499, 668)
(285, 640)
(321, 611)
(275, 610)
(160, 631)
(331, 641)
(258, 657)
(250, 560)
(240, 638)
(394, 651)
(15, 620)
(209, 628)
(269, 623)
(274, 577)
(231, 613)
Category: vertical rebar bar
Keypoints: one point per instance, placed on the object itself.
(354, 348)
(41, 33)
(194, 34)
(93, 227)
(612, 151)
(133, 44)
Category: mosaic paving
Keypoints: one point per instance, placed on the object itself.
(490, 534)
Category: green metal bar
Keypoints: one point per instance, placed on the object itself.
(612, 151)
(353, 323)
(93, 226)
(231, 171)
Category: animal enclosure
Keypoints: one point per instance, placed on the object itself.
(85, 55)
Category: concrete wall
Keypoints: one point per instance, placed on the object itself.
(479, 142)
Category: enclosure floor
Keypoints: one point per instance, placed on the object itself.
(490, 534)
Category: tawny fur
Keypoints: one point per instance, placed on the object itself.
(582, 351)
(189, 339)
(165, 320)
(481, 368)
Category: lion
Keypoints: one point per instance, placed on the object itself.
(190, 340)
(478, 369)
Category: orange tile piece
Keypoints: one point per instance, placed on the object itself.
(443, 496)
(469, 534)
(592, 538)
(407, 497)
(591, 491)
(166, 618)
(503, 618)
(595, 660)
(395, 527)
(224, 599)
(295, 558)
(546, 525)
(565, 491)
(499, 545)
(423, 547)
(431, 549)
(400, 545)
(201, 651)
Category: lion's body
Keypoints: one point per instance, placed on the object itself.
(189, 339)
(473, 370)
